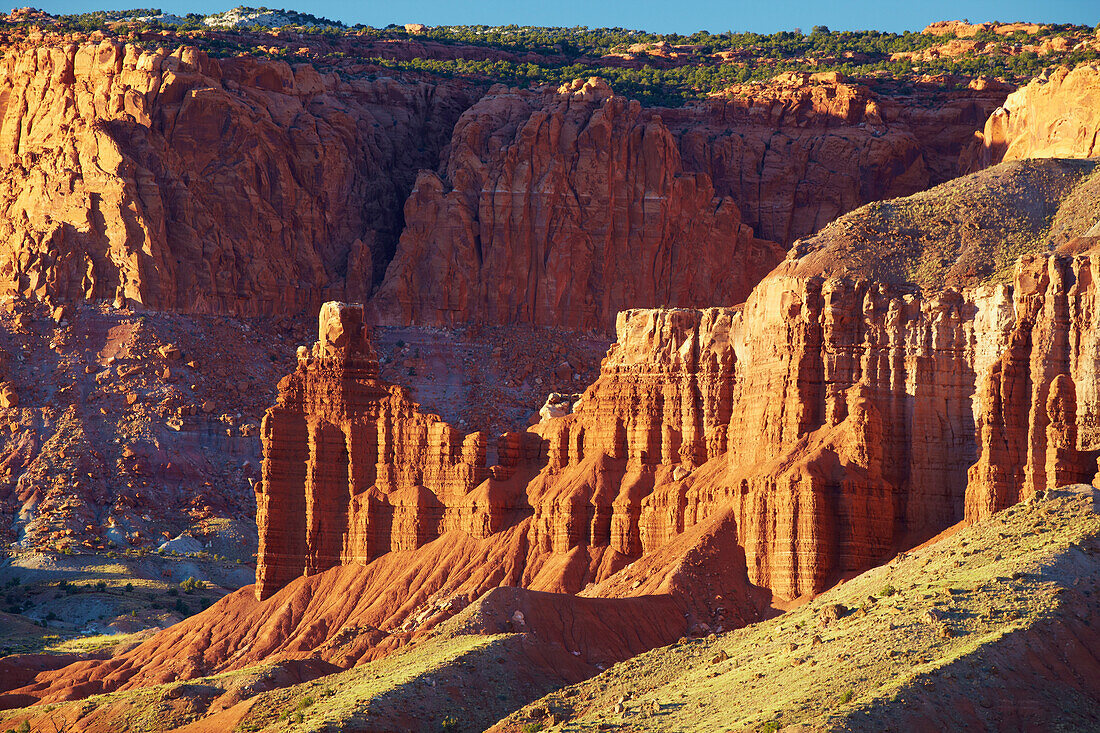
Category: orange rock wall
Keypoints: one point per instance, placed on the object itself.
(1055, 116)
(124, 174)
(801, 149)
(866, 419)
(233, 186)
(840, 421)
(561, 208)
(352, 469)
(1040, 427)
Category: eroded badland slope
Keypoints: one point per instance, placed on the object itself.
(994, 627)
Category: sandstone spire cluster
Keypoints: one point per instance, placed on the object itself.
(838, 419)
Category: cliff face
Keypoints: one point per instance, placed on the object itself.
(840, 420)
(125, 176)
(838, 417)
(864, 418)
(352, 469)
(562, 208)
(1057, 115)
(183, 182)
(1039, 417)
(801, 149)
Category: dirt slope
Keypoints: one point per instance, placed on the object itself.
(992, 628)
(962, 233)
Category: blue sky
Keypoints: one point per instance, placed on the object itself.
(680, 16)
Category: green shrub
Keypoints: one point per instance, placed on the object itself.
(191, 585)
(887, 590)
(847, 697)
(305, 703)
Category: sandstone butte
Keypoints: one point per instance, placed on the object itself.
(138, 153)
(1057, 115)
(727, 461)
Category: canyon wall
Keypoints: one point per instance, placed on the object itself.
(837, 417)
(183, 182)
(799, 150)
(249, 186)
(1057, 115)
(561, 208)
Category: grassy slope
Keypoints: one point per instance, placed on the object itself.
(976, 630)
(965, 232)
(469, 679)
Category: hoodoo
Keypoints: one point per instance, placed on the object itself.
(351, 467)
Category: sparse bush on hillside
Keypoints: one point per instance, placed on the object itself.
(191, 584)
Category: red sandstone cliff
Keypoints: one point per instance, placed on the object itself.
(562, 208)
(248, 186)
(184, 182)
(353, 469)
(801, 149)
(838, 417)
(1057, 115)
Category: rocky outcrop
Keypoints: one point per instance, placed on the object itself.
(563, 207)
(179, 181)
(1038, 429)
(797, 151)
(864, 418)
(1057, 115)
(966, 29)
(842, 414)
(352, 469)
(659, 409)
